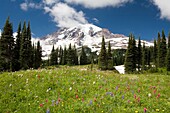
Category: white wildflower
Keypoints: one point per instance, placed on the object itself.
(70, 88)
(149, 95)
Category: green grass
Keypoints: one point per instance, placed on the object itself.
(77, 89)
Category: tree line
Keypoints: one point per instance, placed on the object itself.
(19, 53)
(140, 58)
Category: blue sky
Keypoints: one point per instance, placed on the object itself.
(144, 18)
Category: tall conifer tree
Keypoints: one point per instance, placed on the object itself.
(7, 47)
(109, 58)
(102, 61)
(83, 57)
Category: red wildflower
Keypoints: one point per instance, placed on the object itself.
(154, 91)
(158, 95)
(134, 96)
(77, 96)
(59, 99)
(145, 110)
(139, 90)
(41, 105)
(46, 100)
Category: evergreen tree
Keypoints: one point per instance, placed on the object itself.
(60, 55)
(144, 57)
(102, 62)
(29, 47)
(155, 54)
(158, 50)
(17, 49)
(139, 55)
(168, 60)
(7, 47)
(64, 61)
(23, 48)
(70, 57)
(56, 56)
(148, 57)
(163, 50)
(52, 57)
(130, 60)
(38, 55)
(109, 58)
(83, 57)
(75, 56)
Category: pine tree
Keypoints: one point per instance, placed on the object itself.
(102, 61)
(38, 55)
(7, 47)
(130, 58)
(29, 47)
(64, 61)
(56, 56)
(52, 57)
(163, 50)
(75, 56)
(60, 55)
(148, 57)
(139, 55)
(168, 60)
(109, 58)
(83, 57)
(23, 48)
(17, 49)
(158, 50)
(70, 57)
(155, 54)
(144, 58)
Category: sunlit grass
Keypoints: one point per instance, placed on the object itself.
(78, 89)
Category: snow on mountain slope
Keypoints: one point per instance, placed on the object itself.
(86, 35)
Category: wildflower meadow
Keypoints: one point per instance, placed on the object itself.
(78, 89)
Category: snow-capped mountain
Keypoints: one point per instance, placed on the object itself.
(86, 35)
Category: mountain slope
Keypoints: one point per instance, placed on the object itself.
(86, 35)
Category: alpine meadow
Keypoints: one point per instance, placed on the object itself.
(81, 56)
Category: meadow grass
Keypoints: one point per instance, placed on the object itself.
(78, 89)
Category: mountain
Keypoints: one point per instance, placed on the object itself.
(86, 35)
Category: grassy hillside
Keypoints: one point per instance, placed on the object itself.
(77, 89)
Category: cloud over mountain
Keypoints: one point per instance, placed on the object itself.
(68, 17)
(98, 3)
(163, 6)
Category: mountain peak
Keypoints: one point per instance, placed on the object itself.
(83, 35)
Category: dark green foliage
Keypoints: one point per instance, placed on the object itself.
(130, 58)
(158, 50)
(64, 59)
(7, 47)
(60, 55)
(102, 62)
(75, 56)
(163, 51)
(139, 55)
(23, 49)
(168, 60)
(109, 58)
(53, 56)
(144, 58)
(16, 63)
(155, 54)
(70, 56)
(118, 57)
(148, 57)
(83, 57)
(38, 56)
(29, 47)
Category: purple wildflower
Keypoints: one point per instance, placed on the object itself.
(123, 97)
(48, 111)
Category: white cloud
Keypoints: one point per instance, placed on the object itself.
(50, 2)
(164, 7)
(24, 6)
(65, 16)
(98, 3)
